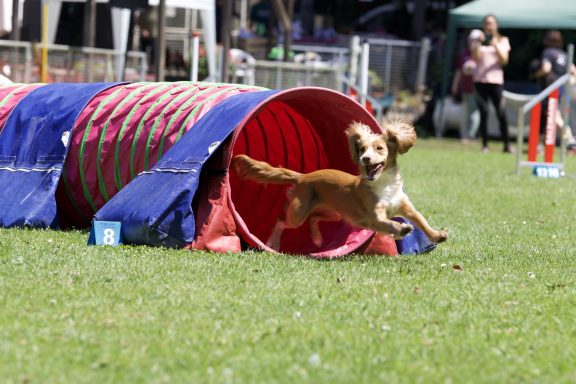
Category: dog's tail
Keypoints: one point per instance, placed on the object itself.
(262, 172)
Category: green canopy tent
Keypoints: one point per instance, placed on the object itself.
(521, 14)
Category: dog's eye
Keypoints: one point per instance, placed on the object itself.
(379, 148)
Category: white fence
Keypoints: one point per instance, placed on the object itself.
(70, 64)
(398, 64)
(311, 66)
(394, 65)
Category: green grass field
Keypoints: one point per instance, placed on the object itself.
(495, 304)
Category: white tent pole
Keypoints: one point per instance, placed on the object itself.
(15, 34)
(194, 54)
(89, 37)
(209, 23)
(120, 29)
(364, 72)
(54, 8)
(354, 53)
(244, 15)
(160, 59)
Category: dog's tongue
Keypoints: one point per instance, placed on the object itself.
(373, 170)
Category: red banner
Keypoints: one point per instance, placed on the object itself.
(534, 137)
(550, 138)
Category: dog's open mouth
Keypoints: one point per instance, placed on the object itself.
(373, 171)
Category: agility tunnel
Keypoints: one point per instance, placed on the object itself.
(155, 157)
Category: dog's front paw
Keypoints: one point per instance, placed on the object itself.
(441, 236)
(404, 230)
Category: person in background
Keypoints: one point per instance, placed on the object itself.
(552, 65)
(148, 22)
(491, 53)
(462, 90)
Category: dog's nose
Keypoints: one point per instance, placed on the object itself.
(365, 160)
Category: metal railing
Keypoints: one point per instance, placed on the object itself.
(312, 66)
(398, 64)
(71, 64)
(395, 65)
(376, 104)
(17, 56)
(282, 75)
(334, 55)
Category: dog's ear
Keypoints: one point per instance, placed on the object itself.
(401, 135)
(355, 132)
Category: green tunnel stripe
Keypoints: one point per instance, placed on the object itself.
(130, 96)
(82, 151)
(168, 108)
(197, 107)
(156, 88)
(184, 106)
(173, 119)
(143, 121)
(211, 87)
(69, 193)
(125, 123)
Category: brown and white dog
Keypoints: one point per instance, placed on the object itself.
(369, 200)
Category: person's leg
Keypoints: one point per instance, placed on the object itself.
(464, 117)
(475, 117)
(472, 117)
(481, 103)
(495, 95)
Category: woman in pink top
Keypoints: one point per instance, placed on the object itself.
(490, 50)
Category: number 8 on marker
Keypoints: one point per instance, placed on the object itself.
(105, 233)
(108, 238)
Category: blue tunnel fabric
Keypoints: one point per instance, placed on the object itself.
(156, 207)
(415, 243)
(33, 148)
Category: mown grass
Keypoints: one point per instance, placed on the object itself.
(495, 304)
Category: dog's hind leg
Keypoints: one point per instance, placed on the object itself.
(299, 207)
(301, 204)
(315, 218)
(274, 239)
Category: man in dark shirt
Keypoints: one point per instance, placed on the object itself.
(554, 60)
(553, 65)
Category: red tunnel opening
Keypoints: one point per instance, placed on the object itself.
(301, 129)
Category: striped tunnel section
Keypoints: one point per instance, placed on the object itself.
(123, 131)
(155, 156)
